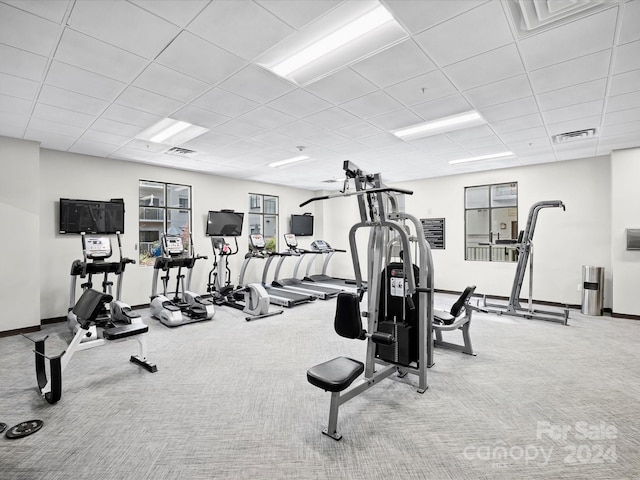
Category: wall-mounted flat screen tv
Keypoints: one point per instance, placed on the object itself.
(302, 225)
(91, 216)
(225, 223)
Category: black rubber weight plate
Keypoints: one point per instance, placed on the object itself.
(2, 427)
(24, 429)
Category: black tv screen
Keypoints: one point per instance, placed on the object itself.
(91, 216)
(224, 224)
(302, 225)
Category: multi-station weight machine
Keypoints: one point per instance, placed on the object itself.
(400, 297)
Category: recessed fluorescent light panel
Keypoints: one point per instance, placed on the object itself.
(441, 125)
(280, 163)
(171, 132)
(346, 34)
(494, 156)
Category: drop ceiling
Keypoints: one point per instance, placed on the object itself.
(88, 76)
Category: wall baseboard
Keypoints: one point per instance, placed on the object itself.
(18, 331)
(624, 315)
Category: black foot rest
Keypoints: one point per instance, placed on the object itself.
(124, 331)
(168, 305)
(130, 313)
(442, 317)
(335, 375)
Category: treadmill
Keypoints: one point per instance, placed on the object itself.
(321, 291)
(277, 296)
(322, 247)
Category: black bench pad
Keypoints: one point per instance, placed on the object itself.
(335, 375)
(124, 331)
(440, 316)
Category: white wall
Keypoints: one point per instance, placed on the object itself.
(19, 240)
(563, 241)
(625, 213)
(68, 175)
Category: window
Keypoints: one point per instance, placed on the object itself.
(263, 218)
(491, 222)
(163, 207)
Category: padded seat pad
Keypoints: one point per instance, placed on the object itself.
(440, 316)
(124, 331)
(335, 375)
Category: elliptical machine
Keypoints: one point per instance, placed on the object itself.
(185, 306)
(95, 251)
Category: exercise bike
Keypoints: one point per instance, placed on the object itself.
(185, 306)
(95, 251)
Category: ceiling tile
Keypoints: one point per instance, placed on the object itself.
(18, 87)
(623, 116)
(243, 83)
(396, 119)
(371, 105)
(327, 139)
(123, 25)
(629, 30)
(186, 54)
(623, 102)
(177, 12)
(442, 107)
(12, 125)
(580, 70)
(395, 64)
(240, 129)
(116, 128)
(622, 83)
(15, 105)
(627, 58)
(296, 13)
(470, 133)
(103, 137)
(499, 92)
(332, 118)
(22, 64)
(83, 82)
(342, 86)
(242, 28)
(273, 138)
(480, 142)
(620, 129)
(587, 35)
(419, 15)
(299, 103)
(422, 88)
(525, 134)
(518, 123)
(62, 116)
(225, 103)
(169, 83)
(485, 28)
(357, 130)
(299, 129)
(51, 10)
(70, 100)
(572, 95)
(267, 117)
(146, 101)
(27, 32)
(574, 125)
(573, 112)
(90, 54)
(498, 64)
(93, 148)
(512, 109)
(123, 114)
(200, 117)
(53, 127)
(217, 138)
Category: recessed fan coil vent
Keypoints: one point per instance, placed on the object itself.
(574, 136)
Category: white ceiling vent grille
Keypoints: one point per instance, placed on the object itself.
(532, 16)
(574, 136)
(181, 152)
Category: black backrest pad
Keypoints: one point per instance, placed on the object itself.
(347, 322)
(89, 305)
(462, 300)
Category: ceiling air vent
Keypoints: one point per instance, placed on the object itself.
(180, 152)
(574, 136)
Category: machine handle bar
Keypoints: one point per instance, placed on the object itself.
(359, 192)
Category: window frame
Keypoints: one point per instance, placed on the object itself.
(257, 202)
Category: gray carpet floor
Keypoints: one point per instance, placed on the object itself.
(230, 400)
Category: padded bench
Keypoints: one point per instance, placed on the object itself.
(124, 331)
(335, 375)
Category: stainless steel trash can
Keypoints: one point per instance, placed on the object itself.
(592, 290)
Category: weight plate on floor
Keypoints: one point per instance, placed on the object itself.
(2, 427)
(24, 429)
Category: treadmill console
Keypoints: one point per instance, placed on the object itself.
(173, 245)
(257, 241)
(290, 240)
(321, 246)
